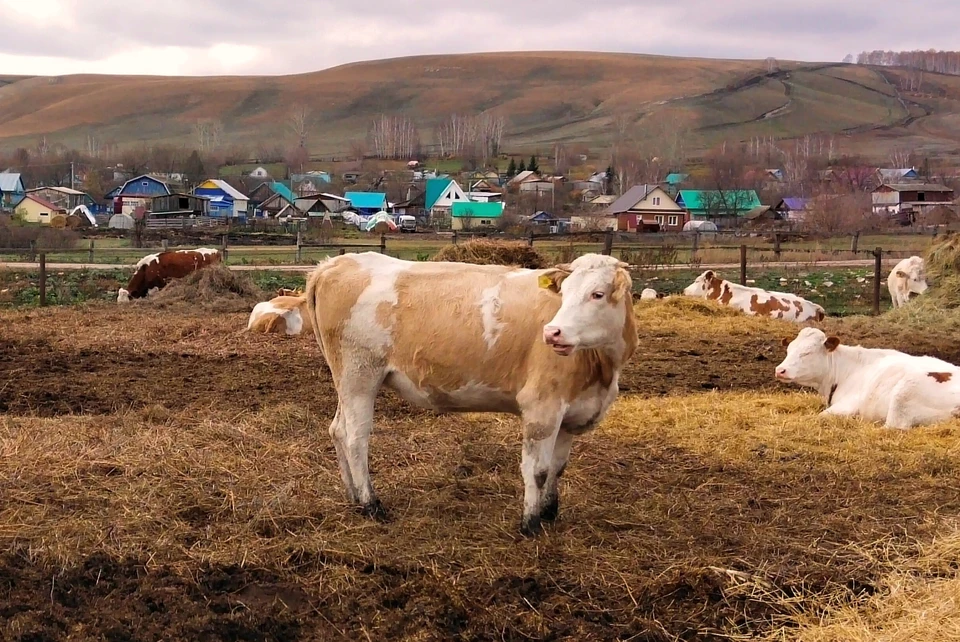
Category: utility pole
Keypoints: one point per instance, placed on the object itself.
(71, 175)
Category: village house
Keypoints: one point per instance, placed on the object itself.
(647, 208)
(274, 205)
(226, 201)
(725, 208)
(485, 197)
(367, 203)
(465, 215)
(11, 189)
(34, 209)
(792, 209)
(138, 192)
(178, 206)
(267, 190)
(440, 195)
(64, 197)
(552, 223)
(897, 175)
(910, 200)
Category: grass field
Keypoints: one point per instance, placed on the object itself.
(166, 475)
(548, 97)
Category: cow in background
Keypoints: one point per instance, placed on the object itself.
(908, 277)
(154, 271)
(754, 301)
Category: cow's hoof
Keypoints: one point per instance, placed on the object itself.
(531, 526)
(374, 510)
(550, 510)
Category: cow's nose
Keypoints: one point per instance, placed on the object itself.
(781, 372)
(551, 332)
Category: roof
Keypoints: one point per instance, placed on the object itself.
(10, 182)
(524, 176)
(895, 173)
(282, 190)
(604, 199)
(141, 178)
(795, 203)
(367, 200)
(224, 187)
(917, 187)
(43, 202)
(56, 188)
(461, 209)
(675, 178)
(333, 197)
(630, 198)
(743, 199)
(435, 188)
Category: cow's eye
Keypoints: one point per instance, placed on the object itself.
(597, 295)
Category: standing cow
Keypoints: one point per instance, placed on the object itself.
(154, 271)
(546, 345)
(898, 389)
(754, 301)
(908, 277)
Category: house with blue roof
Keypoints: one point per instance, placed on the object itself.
(441, 194)
(138, 192)
(11, 189)
(226, 201)
(367, 203)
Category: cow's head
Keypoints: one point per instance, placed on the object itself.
(123, 296)
(703, 285)
(808, 358)
(594, 289)
(914, 275)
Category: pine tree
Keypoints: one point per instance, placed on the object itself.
(512, 169)
(532, 166)
(521, 167)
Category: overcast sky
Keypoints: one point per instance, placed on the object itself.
(199, 37)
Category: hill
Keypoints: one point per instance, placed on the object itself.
(547, 97)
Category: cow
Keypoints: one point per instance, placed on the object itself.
(546, 345)
(908, 277)
(289, 292)
(754, 301)
(154, 271)
(899, 389)
(281, 315)
(649, 294)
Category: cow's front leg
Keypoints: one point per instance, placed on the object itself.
(539, 436)
(550, 503)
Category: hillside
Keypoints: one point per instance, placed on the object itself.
(546, 97)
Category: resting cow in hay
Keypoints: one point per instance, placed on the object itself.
(754, 301)
(280, 315)
(899, 389)
(289, 292)
(546, 345)
(154, 271)
(907, 277)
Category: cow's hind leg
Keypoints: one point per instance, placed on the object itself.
(357, 398)
(550, 504)
(338, 433)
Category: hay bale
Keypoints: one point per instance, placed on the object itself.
(215, 288)
(942, 264)
(487, 252)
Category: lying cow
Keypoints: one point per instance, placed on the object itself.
(649, 294)
(754, 301)
(899, 389)
(289, 292)
(908, 277)
(546, 345)
(281, 315)
(154, 271)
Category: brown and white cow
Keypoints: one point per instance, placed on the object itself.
(546, 345)
(754, 301)
(280, 315)
(898, 389)
(289, 292)
(154, 271)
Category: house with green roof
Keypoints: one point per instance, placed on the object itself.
(366, 203)
(441, 195)
(723, 207)
(466, 215)
(673, 181)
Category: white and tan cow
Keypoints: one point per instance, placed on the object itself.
(908, 277)
(649, 294)
(898, 389)
(754, 301)
(546, 345)
(281, 315)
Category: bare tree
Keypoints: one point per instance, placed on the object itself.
(394, 137)
(900, 157)
(201, 132)
(300, 123)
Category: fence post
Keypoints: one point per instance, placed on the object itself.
(383, 244)
(608, 243)
(43, 278)
(530, 240)
(299, 247)
(454, 237)
(33, 251)
(877, 257)
(696, 245)
(223, 248)
(743, 265)
(164, 245)
(776, 245)
(855, 242)
(342, 251)
(90, 252)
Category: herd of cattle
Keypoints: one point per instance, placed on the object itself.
(547, 345)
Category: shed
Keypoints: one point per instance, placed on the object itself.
(121, 222)
(465, 215)
(37, 210)
(225, 199)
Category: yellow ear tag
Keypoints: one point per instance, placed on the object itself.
(545, 281)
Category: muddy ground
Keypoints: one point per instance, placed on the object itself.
(642, 523)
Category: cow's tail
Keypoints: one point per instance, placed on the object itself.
(311, 296)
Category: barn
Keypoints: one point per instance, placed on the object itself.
(138, 192)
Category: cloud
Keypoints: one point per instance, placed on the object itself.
(200, 37)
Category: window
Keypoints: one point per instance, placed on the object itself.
(656, 200)
(673, 221)
(145, 184)
(484, 222)
(921, 196)
(659, 218)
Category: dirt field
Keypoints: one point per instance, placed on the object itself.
(164, 475)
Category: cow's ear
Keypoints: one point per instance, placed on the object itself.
(552, 278)
(831, 343)
(709, 275)
(901, 274)
(622, 286)
(784, 342)
(623, 264)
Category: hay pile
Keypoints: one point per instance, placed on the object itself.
(215, 288)
(486, 252)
